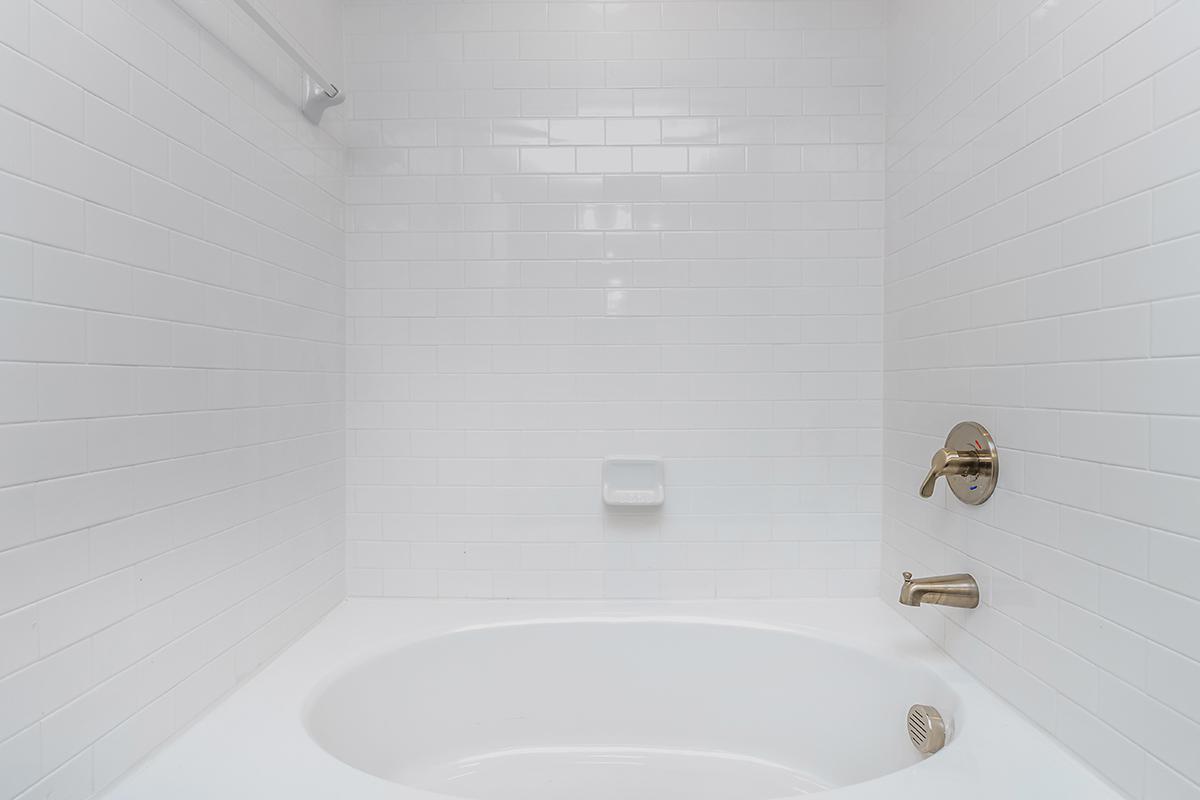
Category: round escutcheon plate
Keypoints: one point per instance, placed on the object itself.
(974, 489)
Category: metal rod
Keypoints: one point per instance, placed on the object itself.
(280, 39)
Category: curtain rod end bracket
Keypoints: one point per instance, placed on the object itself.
(317, 99)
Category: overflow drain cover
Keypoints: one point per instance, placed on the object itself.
(926, 729)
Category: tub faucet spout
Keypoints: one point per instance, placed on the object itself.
(960, 590)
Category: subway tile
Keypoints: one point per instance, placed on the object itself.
(1173, 95)
(1155, 159)
(1173, 328)
(564, 246)
(1175, 209)
(1114, 756)
(1171, 736)
(41, 214)
(1099, 324)
(1154, 386)
(116, 29)
(110, 130)
(1172, 562)
(1169, 441)
(1159, 272)
(1064, 196)
(1119, 545)
(1164, 783)
(102, 153)
(1109, 230)
(16, 137)
(1096, 638)
(1146, 49)
(1122, 119)
(1075, 677)
(78, 58)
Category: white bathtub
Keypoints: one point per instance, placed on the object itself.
(527, 701)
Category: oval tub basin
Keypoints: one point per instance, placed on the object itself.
(629, 709)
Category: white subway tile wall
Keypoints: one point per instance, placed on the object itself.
(1043, 277)
(171, 377)
(581, 229)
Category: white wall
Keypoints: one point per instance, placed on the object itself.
(171, 330)
(1043, 277)
(593, 228)
(578, 229)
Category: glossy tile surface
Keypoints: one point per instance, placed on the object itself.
(588, 229)
(171, 369)
(1041, 278)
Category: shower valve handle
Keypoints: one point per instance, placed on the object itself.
(951, 462)
(968, 461)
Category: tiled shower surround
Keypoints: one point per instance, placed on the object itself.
(581, 229)
(171, 360)
(542, 233)
(1043, 277)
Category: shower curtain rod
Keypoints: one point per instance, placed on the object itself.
(319, 92)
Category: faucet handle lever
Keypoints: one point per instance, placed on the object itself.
(949, 462)
(935, 470)
(968, 461)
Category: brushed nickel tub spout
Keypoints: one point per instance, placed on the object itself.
(959, 590)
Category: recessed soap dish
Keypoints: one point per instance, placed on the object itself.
(633, 481)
